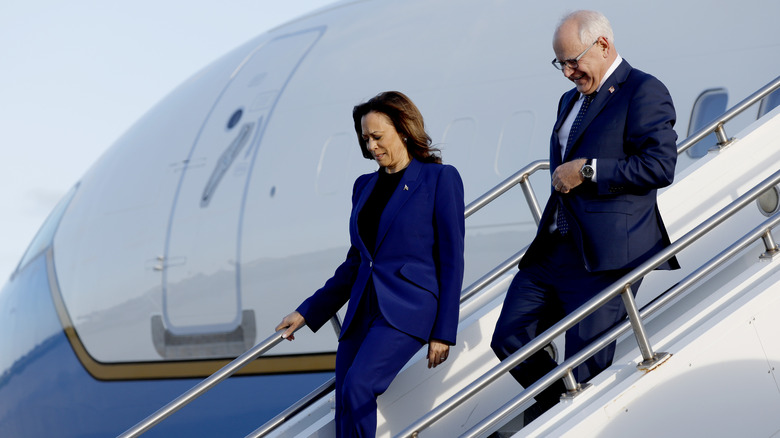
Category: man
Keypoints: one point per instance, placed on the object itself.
(612, 147)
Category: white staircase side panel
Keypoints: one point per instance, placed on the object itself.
(722, 378)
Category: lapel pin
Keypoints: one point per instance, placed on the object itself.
(611, 90)
(406, 187)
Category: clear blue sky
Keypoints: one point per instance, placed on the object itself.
(75, 75)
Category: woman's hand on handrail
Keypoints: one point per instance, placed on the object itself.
(291, 322)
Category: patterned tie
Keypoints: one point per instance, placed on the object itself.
(561, 222)
(578, 120)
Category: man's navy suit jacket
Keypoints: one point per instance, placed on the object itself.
(628, 129)
(417, 264)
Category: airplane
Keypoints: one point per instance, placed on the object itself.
(227, 204)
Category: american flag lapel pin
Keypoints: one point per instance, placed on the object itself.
(611, 90)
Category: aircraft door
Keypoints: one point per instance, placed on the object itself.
(202, 312)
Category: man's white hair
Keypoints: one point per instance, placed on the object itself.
(592, 25)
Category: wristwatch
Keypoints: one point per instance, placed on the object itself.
(587, 170)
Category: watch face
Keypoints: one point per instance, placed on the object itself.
(587, 171)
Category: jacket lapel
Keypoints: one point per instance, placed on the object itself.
(610, 87)
(406, 187)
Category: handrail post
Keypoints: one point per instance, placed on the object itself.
(570, 382)
(530, 198)
(573, 388)
(650, 359)
(720, 132)
(771, 247)
(336, 323)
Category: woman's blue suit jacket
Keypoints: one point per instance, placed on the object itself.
(417, 265)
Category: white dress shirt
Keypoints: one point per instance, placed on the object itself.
(563, 131)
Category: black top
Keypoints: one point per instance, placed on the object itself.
(368, 218)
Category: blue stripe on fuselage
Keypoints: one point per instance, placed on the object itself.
(45, 391)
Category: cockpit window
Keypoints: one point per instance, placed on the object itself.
(45, 234)
(709, 105)
(769, 103)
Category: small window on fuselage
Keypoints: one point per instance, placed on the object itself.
(708, 106)
(769, 103)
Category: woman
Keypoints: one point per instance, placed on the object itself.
(404, 270)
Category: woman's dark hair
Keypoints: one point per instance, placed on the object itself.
(406, 120)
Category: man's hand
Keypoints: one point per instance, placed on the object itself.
(567, 176)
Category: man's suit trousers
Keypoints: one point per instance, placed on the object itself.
(543, 292)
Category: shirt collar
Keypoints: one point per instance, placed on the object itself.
(610, 70)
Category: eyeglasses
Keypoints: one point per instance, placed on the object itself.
(571, 63)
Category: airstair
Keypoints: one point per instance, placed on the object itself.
(700, 349)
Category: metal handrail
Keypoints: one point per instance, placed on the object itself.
(586, 309)
(717, 125)
(621, 286)
(293, 410)
(538, 343)
(206, 384)
(306, 401)
(520, 177)
(648, 310)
